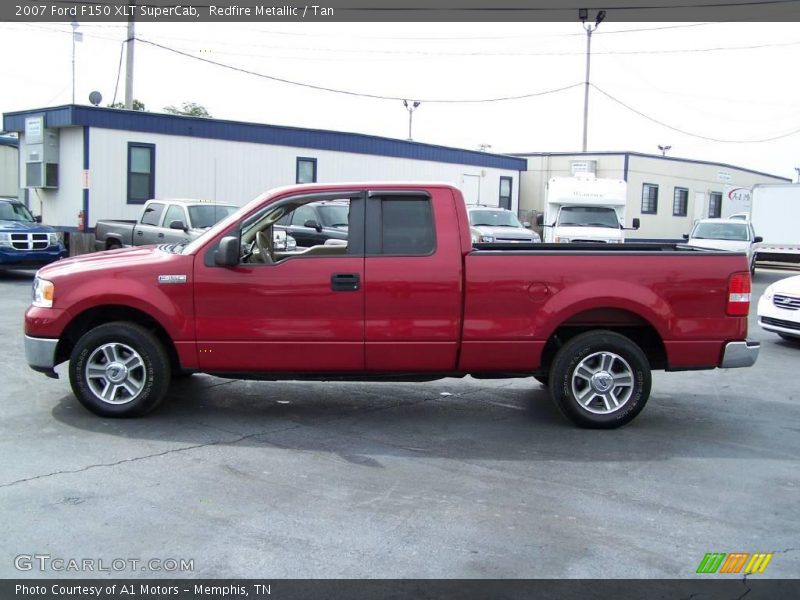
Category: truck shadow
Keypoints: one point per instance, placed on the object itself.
(362, 423)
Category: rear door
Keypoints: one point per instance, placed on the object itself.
(147, 229)
(412, 274)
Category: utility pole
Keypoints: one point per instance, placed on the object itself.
(76, 37)
(583, 14)
(410, 108)
(129, 56)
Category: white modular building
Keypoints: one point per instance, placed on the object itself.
(666, 193)
(80, 164)
(9, 167)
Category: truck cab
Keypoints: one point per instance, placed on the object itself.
(585, 209)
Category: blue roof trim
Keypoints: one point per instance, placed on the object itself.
(238, 131)
(657, 156)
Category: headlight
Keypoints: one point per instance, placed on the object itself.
(5, 240)
(43, 293)
(562, 240)
(487, 238)
(769, 292)
(52, 238)
(615, 241)
(291, 243)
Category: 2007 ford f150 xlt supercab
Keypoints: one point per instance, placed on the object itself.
(408, 297)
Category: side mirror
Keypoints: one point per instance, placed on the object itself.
(313, 224)
(636, 223)
(540, 220)
(526, 224)
(758, 239)
(177, 225)
(227, 254)
(37, 219)
(686, 236)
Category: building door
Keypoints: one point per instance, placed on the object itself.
(699, 205)
(471, 188)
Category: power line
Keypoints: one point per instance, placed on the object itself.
(690, 134)
(349, 92)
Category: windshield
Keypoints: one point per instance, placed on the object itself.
(493, 218)
(206, 215)
(721, 231)
(14, 211)
(334, 215)
(588, 216)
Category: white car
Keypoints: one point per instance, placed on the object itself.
(493, 224)
(779, 308)
(725, 234)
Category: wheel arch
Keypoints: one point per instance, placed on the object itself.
(108, 313)
(623, 321)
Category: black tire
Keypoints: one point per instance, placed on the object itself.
(543, 379)
(609, 358)
(113, 245)
(131, 367)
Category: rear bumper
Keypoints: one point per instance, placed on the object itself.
(41, 354)
(740, 354)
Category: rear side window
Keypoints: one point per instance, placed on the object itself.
(152, 214)
(407, 227)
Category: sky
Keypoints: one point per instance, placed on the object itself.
(708, 90)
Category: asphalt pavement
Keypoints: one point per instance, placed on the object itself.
(451, 479)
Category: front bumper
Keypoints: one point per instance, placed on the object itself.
(30, 259)
(41, 354)
(740, 354)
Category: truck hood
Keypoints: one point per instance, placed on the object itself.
(111, 260)
(509, 233)
(24, 226)
(730, 245)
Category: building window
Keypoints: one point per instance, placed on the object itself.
(506, 183)
(715, 205)
(306, 170)
(141, 172)
(649, 199)
(680, 202)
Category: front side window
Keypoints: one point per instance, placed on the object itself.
(649, 199)
(174, 213)
(680, 202)
(715, 205)
(141, 172)
(152, 214)
(306, 170)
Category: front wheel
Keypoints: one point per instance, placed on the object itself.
(600, 380)
(119, 370)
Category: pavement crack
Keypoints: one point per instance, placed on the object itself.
(146, 456)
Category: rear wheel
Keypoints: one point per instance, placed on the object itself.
(600, 380)
(119, 370)
(113, 245)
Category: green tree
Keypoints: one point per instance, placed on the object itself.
(190, 109)
(137, 105)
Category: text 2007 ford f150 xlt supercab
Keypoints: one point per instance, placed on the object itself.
(408, 297)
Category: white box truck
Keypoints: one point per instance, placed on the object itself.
(775, 215)
(585, 208)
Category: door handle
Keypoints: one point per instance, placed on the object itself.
(160, 235)
(345, 282)
(140, 233)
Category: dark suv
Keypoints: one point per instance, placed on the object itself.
(314, 223)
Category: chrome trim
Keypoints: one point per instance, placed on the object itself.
(740, 354)
(786, 302)
(40, 352)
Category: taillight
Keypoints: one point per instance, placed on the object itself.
(738, 295)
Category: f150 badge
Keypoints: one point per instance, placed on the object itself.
(172, 279)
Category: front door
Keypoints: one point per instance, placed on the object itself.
(285, 312)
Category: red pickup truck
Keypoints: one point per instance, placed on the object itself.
(408, 297)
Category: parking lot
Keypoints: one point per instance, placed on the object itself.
(450, 479)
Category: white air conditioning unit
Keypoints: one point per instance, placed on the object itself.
(40, 154)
